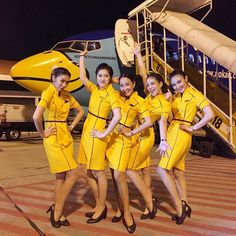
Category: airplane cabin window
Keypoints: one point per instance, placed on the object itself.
(93, 46)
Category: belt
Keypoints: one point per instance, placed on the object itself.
(183, 121)
(124, 125)
(59, 121)
(98, 116)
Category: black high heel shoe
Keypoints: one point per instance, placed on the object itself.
(54, 223)
(130, 228)
(65, 222)
(153, 213)
(103, 215)
(89, 214)
(189, 211)
(116, 219)
(145, 216)
(174, 217)
(180, 219)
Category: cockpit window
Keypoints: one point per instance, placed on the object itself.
(79, 45)
(62, 45)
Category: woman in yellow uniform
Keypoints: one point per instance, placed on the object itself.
(57, 139)
(93, 145)
(119, 147)
(159, 109)
(185, 104)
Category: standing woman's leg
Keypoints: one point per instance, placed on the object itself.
(93, 185)
(171, 187)
(60, 178)
(119, 210)
(182, 190)
(121, 181)
(147, 179)
(139, 183)
(101, 208)
(181, 184)
(87, 174)
(63, 192)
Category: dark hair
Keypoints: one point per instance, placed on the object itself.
(127, 75)
(159, 79)
(177, 72)
(60, 71)
(139, 87)
(104, 66)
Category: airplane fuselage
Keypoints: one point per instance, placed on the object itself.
(34, 72)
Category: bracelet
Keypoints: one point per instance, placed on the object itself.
(132, 133)
(192, 128)
(162, 140)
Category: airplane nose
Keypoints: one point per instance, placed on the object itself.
(34, 72)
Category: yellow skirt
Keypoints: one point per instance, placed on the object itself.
(118, 151)
(59, 150)
(140, 155)
(180, 142)
(92, 150)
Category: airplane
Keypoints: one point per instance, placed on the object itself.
(6, 81)
(10, 91)
(113, 47)
(33, 72)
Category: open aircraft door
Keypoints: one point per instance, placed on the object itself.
(125, 36)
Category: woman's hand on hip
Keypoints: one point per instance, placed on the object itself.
(97, 134)
(50, 131)
(186, 128)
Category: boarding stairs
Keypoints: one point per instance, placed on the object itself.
(172, 16)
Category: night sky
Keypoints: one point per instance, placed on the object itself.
(29, 26)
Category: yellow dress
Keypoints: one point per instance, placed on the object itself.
(140, 156)
(119, 147)
(184, 109)
(102, 102)
(58, 147)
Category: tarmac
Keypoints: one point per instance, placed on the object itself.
(26, 189)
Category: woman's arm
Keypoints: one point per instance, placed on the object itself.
(162, 127)
(38, 122)
(116, 118)
(141, 66)
(83, 75)
(170, 117)
(147, 123)
(208, 116)
(115, 80)
(80, 114)
(163, 146)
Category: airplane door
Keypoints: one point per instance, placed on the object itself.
(125, 36)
